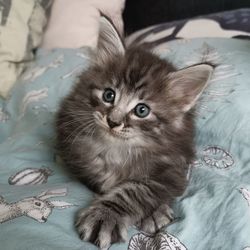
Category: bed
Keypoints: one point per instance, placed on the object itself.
(38, 200)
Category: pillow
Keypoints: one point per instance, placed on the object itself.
(79, 24)
(21, 27)
(229, 24)
(143, 13)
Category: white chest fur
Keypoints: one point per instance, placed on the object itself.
(112, 166)
(116, 156)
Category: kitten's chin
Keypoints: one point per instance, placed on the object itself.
(114, 135)
(119, 135)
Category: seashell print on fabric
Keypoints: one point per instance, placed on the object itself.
(30, 176)
(217, 157)
(214, 157)
(161, 241)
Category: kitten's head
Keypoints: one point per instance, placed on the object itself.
(133, 96)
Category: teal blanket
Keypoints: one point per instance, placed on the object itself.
(38, 201)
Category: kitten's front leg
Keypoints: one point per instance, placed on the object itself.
(107, 219)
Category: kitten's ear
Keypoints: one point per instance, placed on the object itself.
(109, 42)
(186, 85)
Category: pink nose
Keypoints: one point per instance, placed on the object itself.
(112, 124)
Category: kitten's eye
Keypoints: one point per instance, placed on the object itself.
(142, 110)
(108, 95)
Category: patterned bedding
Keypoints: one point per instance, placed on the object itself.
(214, 212)
(230, 24)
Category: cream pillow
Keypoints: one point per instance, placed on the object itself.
(21, 27)
(75, 23)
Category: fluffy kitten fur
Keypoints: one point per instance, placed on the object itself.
(137, 165)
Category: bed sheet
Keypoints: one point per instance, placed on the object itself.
(213, 213)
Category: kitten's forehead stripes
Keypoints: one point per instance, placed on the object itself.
(138, 79)
(127, 101)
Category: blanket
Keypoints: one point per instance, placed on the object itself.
(38, 200)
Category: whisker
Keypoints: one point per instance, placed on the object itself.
(80, 131)
(66, 124)
(80, 128)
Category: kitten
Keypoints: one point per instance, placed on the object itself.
(126, 131)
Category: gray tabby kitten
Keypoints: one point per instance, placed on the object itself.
(126, 131)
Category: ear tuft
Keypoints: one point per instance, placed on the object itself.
(186, 85)
(109, 43)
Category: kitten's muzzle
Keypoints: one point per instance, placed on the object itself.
(113, 124)
(115, 118)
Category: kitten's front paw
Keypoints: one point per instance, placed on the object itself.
(101, 226)
(160, 218)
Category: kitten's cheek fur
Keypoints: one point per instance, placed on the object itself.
(101, 226)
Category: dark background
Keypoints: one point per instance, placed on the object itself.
(142, 13)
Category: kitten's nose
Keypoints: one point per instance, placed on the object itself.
(113, 124)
